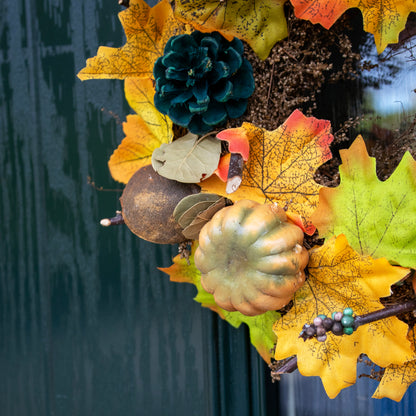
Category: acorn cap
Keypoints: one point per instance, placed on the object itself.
(148, 201)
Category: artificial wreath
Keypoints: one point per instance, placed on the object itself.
(223, 157)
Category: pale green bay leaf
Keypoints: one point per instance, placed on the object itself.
(185, 203)
(192, 230)
(188, 159)
(189, 215)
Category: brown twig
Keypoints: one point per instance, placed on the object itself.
(235, 173)
(101, 188)
(384, 313)
(117, 220)
(323, 325)
(288, 366)
(291, 365)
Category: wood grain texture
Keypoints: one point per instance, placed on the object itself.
(88, 325)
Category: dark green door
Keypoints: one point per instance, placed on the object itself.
(88, 325)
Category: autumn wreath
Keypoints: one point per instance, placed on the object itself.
(217, 133)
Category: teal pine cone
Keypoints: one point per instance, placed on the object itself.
(202, 80)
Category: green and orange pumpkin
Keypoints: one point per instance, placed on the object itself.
(251, 258)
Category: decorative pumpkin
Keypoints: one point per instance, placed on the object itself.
(251, 258)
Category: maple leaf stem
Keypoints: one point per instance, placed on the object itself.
(117, 220)
(287, 367)
(384, 313)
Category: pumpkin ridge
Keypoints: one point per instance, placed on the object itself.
(251, 258)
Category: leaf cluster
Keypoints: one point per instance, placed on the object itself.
(368, 225)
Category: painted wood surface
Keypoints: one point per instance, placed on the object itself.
(88, 325)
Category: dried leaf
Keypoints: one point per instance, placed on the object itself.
(282, 165)
(385, 19)
(191, 232)
(339, 277)
(188, 159)
(189, 215)
(378, 218)
(260, 326)
(144, 132)
(147, 31)
(260, 24)
(397, 378)
(186, 203)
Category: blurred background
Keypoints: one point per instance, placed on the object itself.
(88, 325)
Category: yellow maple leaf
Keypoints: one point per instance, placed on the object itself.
(145, 131)
(385, 19)
(260, 24)
(281, 166)
(397, 378)
(339, 277)
(147, 31)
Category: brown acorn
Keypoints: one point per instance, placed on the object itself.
(148, 201)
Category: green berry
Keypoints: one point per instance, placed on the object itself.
(348, 331)
(322, 316)
(347, 321)
(348, 312)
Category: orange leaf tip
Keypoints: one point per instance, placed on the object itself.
(223, 166)
(237, 141)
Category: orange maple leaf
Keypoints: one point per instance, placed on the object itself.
(282, 165)
(385, 19)
(147, 31)
(144, 131)
(339, 277)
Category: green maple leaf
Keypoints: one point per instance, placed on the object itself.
(378, 218)
(261, 326)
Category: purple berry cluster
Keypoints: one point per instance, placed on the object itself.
(340, 323)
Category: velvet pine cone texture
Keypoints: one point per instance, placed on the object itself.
(202, 80)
